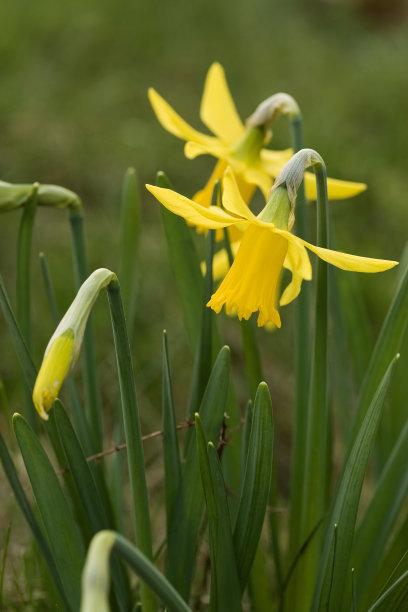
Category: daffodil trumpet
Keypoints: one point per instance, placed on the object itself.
(266, 247)
(242, 148)
(64, 346)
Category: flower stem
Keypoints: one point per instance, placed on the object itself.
(131, 421)
(23, 294)
(316, 459)
(302, 355)
(91, 382)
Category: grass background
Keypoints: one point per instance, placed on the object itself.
(74, 111)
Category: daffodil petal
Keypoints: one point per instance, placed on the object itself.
(212, 217)
(218, 110)
(353, 263)
(257, 176)
(297, 261)
(193, 149)
(336, 189)
(273, 161)
(345, 261)
(232, 199)
(173, 123)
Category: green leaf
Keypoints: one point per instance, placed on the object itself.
(183, 537)
(378, 522)
(333, 585)
(388, 344)
(24, 357)
(62, 532)
(255, 490)
(130, 230)
(134, 445)
(88, 493)
(171, 454)
(25, 508)
(225, 588)
(185, 264)
(395, 598)
(202, 363)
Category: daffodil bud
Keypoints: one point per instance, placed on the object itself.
(57, 197)
(292, 172)
(15, 196)
(268, 111)
(65, 344)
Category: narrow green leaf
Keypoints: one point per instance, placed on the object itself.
(130, 229)
(344, 510)
(260, 585)
(62, 532)
(134, 445)
(3, 562)
(171, 453)
(20, 345)
(183, 538)
(25, 508)
(202, 363)
(88, 493)
(395, 598)
(381, 515)
(79, 468)
(255, 490)
(185, 264)
(225, 588)
(388, 344)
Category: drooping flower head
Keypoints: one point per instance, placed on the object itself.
(65, 344)
(266, 247)
(236, 145)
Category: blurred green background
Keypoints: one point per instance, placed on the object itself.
(74, 111)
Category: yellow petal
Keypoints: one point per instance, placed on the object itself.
(354, 263)
(173, 123)
(53, 372)
(336, 189)
(213, 147)
(273, 161)
(212, 217)
(345, 261)
(218, 110)
(251, 283)
(232, 199)
(257, 176)
(297, 261)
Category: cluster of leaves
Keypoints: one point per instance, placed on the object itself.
(207, 482)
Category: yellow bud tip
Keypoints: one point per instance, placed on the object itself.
(53, 372)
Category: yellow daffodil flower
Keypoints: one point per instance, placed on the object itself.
(266, 246)
(237, 146)
(63, 349)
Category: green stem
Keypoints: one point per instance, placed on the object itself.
(23, 293)
(316, 461)
(91, 381)
(131, 421)
(302, 356)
